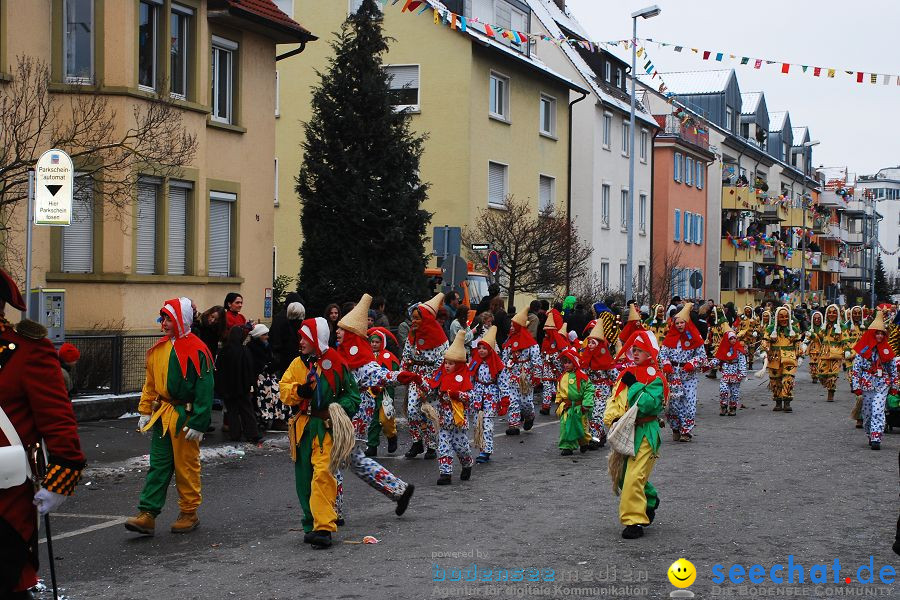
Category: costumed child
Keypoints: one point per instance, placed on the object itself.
(632, 325)
(814, 344)
(452, 387)
(575, 402)
(874, 374)
(522, 359)
(490, 391)
(598, 363)
(386, 421)
(854, 327)
(782, 346)
(371, 378)
(423, 354)
(682, 355)
(714, 320)
(657, 323)
(175, 406)
(731, 357)
(321, 434)
(750, 333)
(641, 384)
(833, 349)
(554, 343)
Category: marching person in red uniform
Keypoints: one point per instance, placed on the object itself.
(34, 398)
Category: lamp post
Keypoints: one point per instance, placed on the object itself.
(644, 13)
(806, 145)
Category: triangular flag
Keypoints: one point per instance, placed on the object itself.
(488, 31)
(452, 20)
(805, 68)
(887, 79)
(462, 23)
(424, 8)
(694, 50)
(640, 52)
(785, 67)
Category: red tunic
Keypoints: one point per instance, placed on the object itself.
(34, 397)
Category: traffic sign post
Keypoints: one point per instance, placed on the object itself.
(696, 280)
(493, 262)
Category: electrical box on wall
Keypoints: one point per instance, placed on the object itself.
(48, 307)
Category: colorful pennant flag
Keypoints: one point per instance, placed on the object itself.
(785, 67)
(706, 54)
(758, 63)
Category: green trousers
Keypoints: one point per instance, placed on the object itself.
(168, 456)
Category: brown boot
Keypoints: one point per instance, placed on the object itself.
(143, 523)
(777, 406)
(830, 397)
(186, 522)
(676, 435)
(787, 405)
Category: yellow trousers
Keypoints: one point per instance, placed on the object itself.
(172, 453)
(316, 484)
(388, 426)
(636, 488)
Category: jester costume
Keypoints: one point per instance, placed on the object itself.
(175, 406)
(522, 359)
(854, 325)
(452, 387)
(642, 384)
(833, 349)
(750, 333)
(313, 383)
(657, 323)
(423, 354)
(782, 348)
(731, 357)
(575, 402)
(598, 363)
(632, 325)
(384, 397)
(682, 355)
(715, 331)
(874, 375)
(490, 390)
(813, 344)
(554, 343)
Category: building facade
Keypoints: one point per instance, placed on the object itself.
(202, 233)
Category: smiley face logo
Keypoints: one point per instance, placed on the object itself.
(682, 573)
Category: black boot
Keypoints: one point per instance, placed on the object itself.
(583, 448)
(528, 424)
(430, 454)
(403, 502)
(466, 474)
(392, 444)
(321, 540)
(566, 452)
(445, 479)
(651, 512)
(544, 411)
(416, 449)
(308, 537)
(371, 451)
(632, 532)
(875, 445)
(512, 431)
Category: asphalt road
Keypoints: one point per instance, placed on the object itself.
(750, 489)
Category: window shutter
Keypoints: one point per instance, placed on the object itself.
(401, 77)
(700, 230)
(177, 230)
(145, 263)
(219, 238)
(78, 237)
(687, 228)
(496, 184)
(677, 225)
(546, 192)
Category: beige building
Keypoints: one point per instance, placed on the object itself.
(203, 233)
(495, 114)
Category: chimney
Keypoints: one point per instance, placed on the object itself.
(561, 4)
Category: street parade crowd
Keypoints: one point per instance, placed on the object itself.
(611, 377)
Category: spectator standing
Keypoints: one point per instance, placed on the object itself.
(451, 305)
(233, 382)
(270, 412)
(461, 323)
(485, 304)
(534, 319)
(332, 314)
(501, 320)
(381, 320)
(210, 328)
(68, 356)
(283, 337)
(233, 304)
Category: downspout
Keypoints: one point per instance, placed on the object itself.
(291, 53)
(569, 200)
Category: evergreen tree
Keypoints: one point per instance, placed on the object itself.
(882, 289)
(362, 219)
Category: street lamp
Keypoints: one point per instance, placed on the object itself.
(806, 146)
(644, 13)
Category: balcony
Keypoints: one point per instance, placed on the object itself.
(853, 238)
(791, 263)
(731, 254)
(771, 214)
(833, 265)
(853, 273)
(819, 225)
(686, 133)
(769, 256)
(830, 199)
(794, 217)
(857, 207)
(739, 198)
(815, 260)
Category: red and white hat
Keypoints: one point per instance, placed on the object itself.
(316, 332)
(642, 340)
(571, 355)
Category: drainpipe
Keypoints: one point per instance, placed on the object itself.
(569, 200)
(291, 53)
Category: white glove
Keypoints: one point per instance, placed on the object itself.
(755, 334)
(142, 422)
(47, 501)
(847, 354)
(193, 435)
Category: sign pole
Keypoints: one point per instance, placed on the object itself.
(29, 232)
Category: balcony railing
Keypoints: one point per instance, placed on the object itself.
(687, 132)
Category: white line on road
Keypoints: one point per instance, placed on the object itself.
(76, 516)
(113, 523)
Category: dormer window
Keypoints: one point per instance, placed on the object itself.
(607, 75)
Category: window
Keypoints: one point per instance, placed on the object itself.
(618, 77)
(223, 71)
(607, 73)
(642, 275)
(623, 275)
(497, 181)
(678, 166)
(145, 234)
(698, 239)
(180, 24)
(354, 6)
(604, 275)
(604, 206)
(688, 221)
(741, 278)
(626, 137)
(78, 237)
(404, 82)
(546, 192)
(701, 175)
(642, 213)
(624, 205)
(499, 108)
(176, 246)
(688, 170)
(644, 138)
(510, 18)
(221, 206)
(607, 129)
(548, 115)
(786, 150)
(78, 41)
(148, 45)
(677, 225)
(276, 181)
(745, 131)
(277, 94)
(729, 118)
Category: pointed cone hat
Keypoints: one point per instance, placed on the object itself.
(564, 331)
(553, 321)
(521, 317)
(726, 327)
(490, 337)
(457, 350)
(434, 304)
(878, 323)
(633, 314)
(685, 313)
(598, 332)
(357, 320)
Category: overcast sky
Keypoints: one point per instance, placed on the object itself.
(857, 124)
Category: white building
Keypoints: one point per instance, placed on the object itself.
(600, 142)
(884, 188)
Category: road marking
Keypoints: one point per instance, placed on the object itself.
(76, 516)
(83, 530)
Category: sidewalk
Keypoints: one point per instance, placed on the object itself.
(104, 406)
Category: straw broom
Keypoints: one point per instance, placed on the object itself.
(343, 436)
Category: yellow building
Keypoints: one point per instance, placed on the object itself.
(202, 233)
(496, 117)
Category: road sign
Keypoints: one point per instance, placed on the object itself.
(267, 303)
(494, 262)
(696, 280)
(480, 247)
(455, 270)
(53, 189)
(446, 240)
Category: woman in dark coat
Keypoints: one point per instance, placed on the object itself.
(234, 380)
(210, 327)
